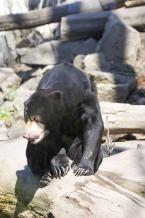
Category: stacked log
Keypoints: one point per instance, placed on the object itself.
(85, 9)
(133, 3)
(92, 23)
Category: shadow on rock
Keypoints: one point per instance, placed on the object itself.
(25, 188)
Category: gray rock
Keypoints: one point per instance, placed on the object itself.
(112, 92)
(1, 98)
(137, 98)
(114, 78)
(16, 130)
(21, 95)
(17, 98)
(49, 31)
(1, 59)
(6, 58)
(96, 62)
(120, 42)
(141, 101)
(54, 52)
(112, 87)
(133, 158)
(8, 79)
(3, 131)
(31, 84)
(9, 39)
(32, 40)
(117, 147)
(79, 61)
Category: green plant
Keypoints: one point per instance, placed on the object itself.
(4, 115)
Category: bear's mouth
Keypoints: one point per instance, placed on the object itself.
(35, 132)
(40, 138)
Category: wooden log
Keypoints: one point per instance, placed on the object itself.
(111, 4)
(123, 118)
(47, 15)
(54, 14)
(134, 3)
(91, 24)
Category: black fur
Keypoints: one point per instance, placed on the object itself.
(67, 105)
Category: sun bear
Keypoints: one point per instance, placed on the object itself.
(63, 120)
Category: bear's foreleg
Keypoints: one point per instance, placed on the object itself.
(36, 159)
(60, 164)
(91, 158)
(59, 167)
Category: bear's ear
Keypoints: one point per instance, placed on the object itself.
(58, 95)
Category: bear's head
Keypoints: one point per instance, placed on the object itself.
(42, 112)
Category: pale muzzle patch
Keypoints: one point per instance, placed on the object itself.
(35, 132)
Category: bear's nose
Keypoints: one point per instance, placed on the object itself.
(31, 138)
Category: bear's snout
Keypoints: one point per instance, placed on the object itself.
(31, 138)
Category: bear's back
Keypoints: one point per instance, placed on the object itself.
(66, 78)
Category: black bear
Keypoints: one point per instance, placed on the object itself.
(63, 119)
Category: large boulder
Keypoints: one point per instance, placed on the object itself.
(8, 80)
(96, 62)
(113, 92)
(11, 82)
(112, 87)
(119, 185)
(120, 43)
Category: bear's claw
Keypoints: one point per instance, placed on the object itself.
(60, 164)
(46, 179)
(80, 171)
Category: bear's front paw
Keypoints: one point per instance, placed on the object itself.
(82, 169)
(46, 179)
(60, 164)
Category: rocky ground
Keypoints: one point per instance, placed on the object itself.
(116, 63)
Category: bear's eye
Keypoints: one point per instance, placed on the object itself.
(32, 119)
(36, 119)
